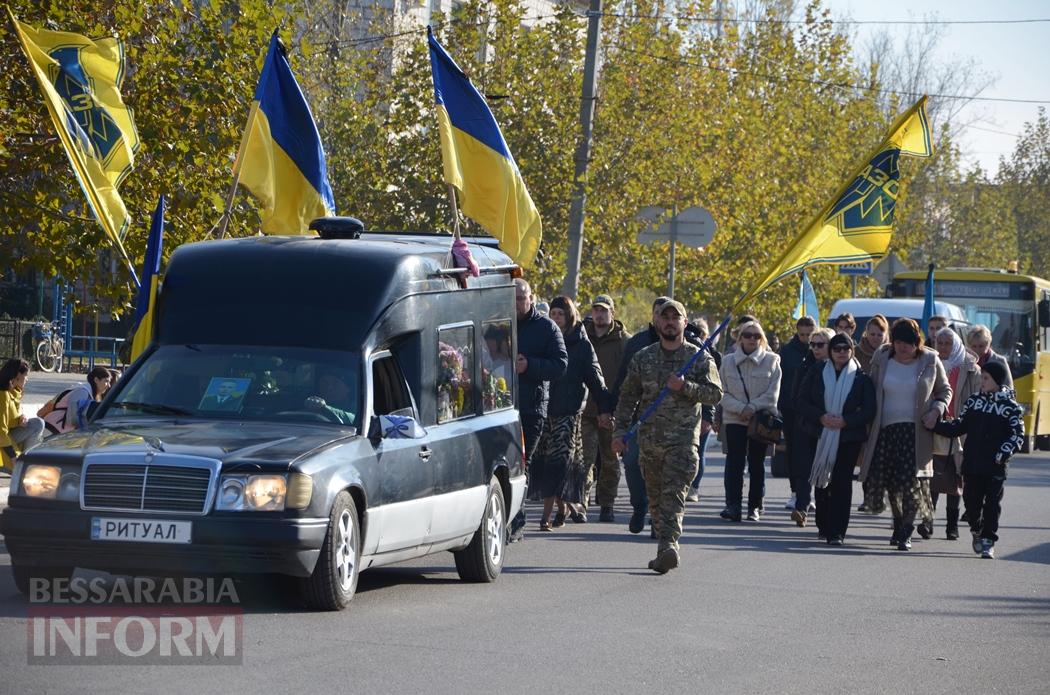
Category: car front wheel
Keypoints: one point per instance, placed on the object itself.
(334, 580)
(482, 560)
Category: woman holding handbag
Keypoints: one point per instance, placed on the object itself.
(751, 383)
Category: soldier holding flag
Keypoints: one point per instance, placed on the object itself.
(667, 439)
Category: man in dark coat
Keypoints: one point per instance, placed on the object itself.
(541, 359)
(791, 356)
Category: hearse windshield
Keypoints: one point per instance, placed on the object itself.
(242, 383)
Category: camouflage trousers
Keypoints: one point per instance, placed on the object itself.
(598, 442)
(668, 469)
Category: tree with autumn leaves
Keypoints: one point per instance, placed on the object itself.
(757, 122)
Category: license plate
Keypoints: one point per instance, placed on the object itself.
(140, 530)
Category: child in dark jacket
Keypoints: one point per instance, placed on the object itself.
(994, 428)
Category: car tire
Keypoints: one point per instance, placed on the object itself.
(334, 580)
(482, 560)
(24, 575)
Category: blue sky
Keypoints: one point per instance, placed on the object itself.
(1016, 56)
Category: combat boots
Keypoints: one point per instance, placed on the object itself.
(666, 560)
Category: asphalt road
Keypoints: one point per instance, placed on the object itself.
(756, 607)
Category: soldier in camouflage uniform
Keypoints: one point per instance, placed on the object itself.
(667, 440)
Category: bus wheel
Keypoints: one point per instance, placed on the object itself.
(1042, 442)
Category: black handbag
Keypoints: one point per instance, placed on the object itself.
(766, 424)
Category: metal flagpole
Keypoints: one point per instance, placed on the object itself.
(224, 220)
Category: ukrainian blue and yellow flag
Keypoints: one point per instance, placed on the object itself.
(81, 81)
(281, 159)
(858, 224)
(147, 298)
(478, 162)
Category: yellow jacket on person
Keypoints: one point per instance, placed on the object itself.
(10, 414)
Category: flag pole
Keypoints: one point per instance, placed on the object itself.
(455, 211)
(224, 220)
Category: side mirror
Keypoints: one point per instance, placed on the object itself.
(1044, 313)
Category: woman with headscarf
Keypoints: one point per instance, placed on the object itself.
(558, 466)
(964, 376)
(837, 403)
(912, 393)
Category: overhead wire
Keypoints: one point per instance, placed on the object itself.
(770, 20)
(825, 83)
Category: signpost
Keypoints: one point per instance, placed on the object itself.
(693, 227)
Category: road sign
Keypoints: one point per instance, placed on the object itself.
(693, 227)
(865, 268)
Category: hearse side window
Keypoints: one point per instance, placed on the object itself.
(455, 382)
(389, 390)
(497, 366)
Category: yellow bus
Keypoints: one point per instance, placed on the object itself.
(1016, 309)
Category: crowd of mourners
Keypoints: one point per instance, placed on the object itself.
(923, 417)
(917, 417)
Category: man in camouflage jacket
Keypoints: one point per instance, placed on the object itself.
(667, 440)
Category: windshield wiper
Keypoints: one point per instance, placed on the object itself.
(152, 408)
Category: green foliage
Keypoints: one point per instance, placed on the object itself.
(955, 218)
(740, 121)
(191, 71)
(1026, 180)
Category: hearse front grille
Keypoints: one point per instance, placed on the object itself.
(146, 488)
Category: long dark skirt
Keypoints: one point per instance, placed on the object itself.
(892, 476)
(553, 467)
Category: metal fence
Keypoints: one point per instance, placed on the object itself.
(82, 352)
(16, 339)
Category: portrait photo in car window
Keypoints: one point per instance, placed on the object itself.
(224, 394)
(455, 388)
(497, 366)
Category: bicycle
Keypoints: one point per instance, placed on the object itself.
(48, 338)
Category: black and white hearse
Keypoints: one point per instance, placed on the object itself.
(311, 406)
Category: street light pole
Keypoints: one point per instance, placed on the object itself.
(571, 285)
(674, 239)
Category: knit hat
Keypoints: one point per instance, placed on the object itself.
(840, 339)
(997, 371)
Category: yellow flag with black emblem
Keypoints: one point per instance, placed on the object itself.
(81, 80)
(857, 225)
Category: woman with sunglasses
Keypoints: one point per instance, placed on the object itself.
(751, 381)
(912, 393)
(837, 403)
(804, 445)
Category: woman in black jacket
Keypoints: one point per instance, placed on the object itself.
(837, 404)
(558, 466)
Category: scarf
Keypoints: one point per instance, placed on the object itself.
(958, 354)
(836, 389)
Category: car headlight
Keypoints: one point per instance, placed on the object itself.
(253, 493)
(41, 481)
(265, 492)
